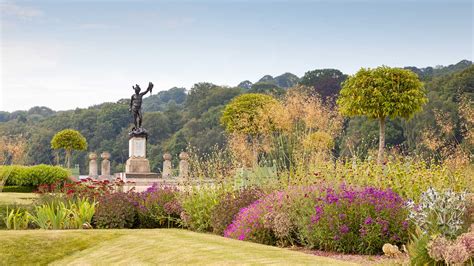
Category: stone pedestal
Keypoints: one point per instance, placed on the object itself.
(167, 166)
(183, 165)
(93, 170)
(105, 165)
(137, 162)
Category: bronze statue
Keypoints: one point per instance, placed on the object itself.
(136, 110)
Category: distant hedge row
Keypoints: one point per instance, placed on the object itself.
(18, 175)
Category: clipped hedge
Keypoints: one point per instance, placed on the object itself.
(19, 175)
(19, 189)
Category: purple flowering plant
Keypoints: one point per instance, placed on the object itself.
(354, 219)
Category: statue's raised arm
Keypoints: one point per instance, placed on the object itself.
(149, 89)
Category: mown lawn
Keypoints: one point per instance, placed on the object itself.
(10, 198)
(141, 246)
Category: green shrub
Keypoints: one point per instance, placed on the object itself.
(13, 174)
(115, 211)
(19, 189)
(18, 175)
(198, 205)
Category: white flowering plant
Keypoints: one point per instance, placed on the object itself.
(439, 212)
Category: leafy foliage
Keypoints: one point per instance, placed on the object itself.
(17, 175)
(323, 82)
(408, 177)
(198, 205)
(115, 210)
(382, 92)
(267, 88)
(241, 114)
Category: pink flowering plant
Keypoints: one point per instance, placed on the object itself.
(269, 220)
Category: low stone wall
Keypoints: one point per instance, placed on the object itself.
(143, 183)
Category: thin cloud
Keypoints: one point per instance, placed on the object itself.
(95, 26)
(20, 12)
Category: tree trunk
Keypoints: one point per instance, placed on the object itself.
(68, 160)
(381, 140)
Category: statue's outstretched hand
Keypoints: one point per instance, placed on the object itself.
(150, 87)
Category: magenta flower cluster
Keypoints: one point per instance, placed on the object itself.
(250, 220)
(257, 221)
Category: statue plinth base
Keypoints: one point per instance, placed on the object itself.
(137, 165)
(138, 133)
(137, 162)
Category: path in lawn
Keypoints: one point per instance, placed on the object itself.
(146, 246)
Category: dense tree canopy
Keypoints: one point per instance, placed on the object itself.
(325, 82)
(176, 118)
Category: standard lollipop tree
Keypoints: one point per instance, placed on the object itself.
(69, 140)
(382, 93)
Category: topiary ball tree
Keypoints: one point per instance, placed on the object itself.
(69, 140)
(382, 93)
(243, 115)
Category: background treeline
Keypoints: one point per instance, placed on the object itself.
(178, 117)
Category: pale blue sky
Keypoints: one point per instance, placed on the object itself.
(68, 54)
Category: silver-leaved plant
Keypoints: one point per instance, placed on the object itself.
(439, 212)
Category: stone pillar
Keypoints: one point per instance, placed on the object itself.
(137, 161)
(167, 167)
(105, 169)
(183, 165)
(93, 170)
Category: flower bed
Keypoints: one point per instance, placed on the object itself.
(346, 219)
